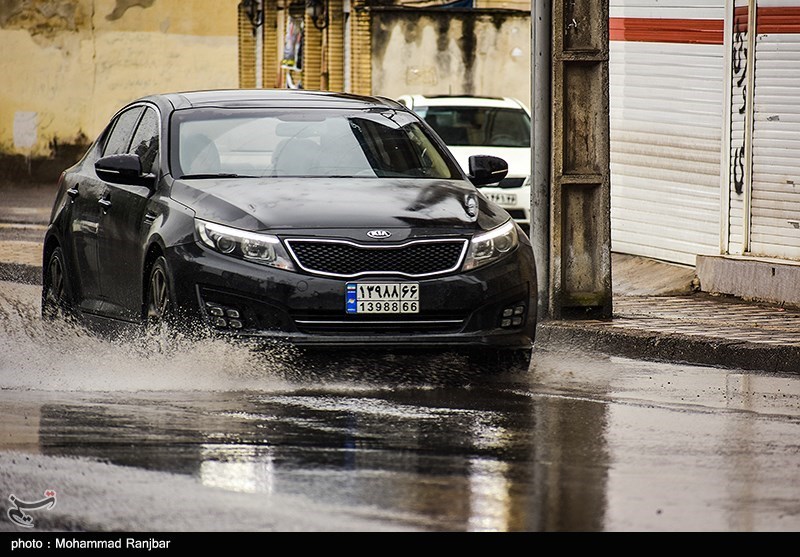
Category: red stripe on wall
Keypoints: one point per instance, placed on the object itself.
(658, 30)
(778, 19)
(740, 19)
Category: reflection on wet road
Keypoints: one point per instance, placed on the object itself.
(580, 442)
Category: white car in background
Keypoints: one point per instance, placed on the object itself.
(485, 126)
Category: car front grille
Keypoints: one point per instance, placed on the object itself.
(345, 259)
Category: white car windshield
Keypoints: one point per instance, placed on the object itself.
(479, 126)
(211, 142)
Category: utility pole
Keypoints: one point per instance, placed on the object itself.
(541, 68)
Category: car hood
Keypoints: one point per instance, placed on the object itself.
(340, 203)
(518, 158)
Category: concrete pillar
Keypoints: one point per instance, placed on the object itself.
(580, 197)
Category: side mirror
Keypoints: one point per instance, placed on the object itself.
(123, 169)
(485, 169)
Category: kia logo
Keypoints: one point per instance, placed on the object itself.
(379, 234)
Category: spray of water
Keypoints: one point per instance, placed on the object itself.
(64, 356)
(59, 355)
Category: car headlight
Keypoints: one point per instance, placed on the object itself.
(250, 246)
(490, 246)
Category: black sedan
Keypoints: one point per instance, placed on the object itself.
(319, 219)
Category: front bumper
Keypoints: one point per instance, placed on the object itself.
(260, 302)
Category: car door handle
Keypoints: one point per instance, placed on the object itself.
(105, 202)
(73, 192)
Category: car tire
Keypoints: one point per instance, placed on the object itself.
(159, 309)
(500, 360)
(55, 291)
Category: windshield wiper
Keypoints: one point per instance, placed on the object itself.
(217, 175)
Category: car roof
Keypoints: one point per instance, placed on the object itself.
(253, 98)
(415, 101)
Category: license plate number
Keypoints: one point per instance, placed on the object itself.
(504, 199)
(382, 297)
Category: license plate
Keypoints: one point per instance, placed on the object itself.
(382, 297)
(503, 198)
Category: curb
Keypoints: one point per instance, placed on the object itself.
(671, 347)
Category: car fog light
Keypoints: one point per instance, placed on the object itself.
(223, 316)
(513, 316)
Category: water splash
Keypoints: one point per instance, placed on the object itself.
(59, 355)
(36, 354)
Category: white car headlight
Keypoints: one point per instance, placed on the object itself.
(264, 249)
(490, 246)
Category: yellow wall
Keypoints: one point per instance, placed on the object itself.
(492, 4)
(505, 4)
(67, 66)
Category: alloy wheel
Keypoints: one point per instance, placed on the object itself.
(159, 302)
(54, 293)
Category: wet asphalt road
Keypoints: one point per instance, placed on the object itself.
(140, 434)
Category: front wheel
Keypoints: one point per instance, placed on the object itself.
(159, 309)
(55, 301)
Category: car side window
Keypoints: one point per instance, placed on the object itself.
(145, 140)
(121, 133)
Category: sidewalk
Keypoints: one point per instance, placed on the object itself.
(653, 321)
(656, 314)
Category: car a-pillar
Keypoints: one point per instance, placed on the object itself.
(579, 197)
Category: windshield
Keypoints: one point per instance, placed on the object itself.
(210, 142)
(479, 126)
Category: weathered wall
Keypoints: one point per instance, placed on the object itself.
(68, 65)
(494, 4)
(451, 52)
(506, 4)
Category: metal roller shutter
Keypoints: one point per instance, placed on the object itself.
(665, 146)
(775, 205)
(666, 98)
